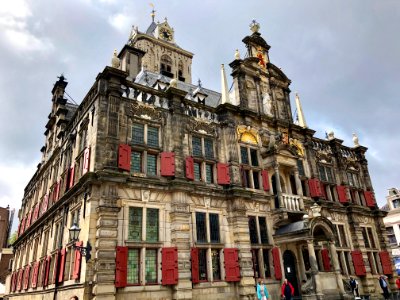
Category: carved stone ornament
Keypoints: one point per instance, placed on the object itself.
(145, 111)
(323, 156)
(145, 195)
(202, 126)
(207, 202)
(247, 134)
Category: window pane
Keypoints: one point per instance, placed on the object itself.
(329, 173)
(254, 157)
(203, 264)
(355, 179)
(371, 238)
(209, 148)
(201, 227)
(350, 178)
(151, 164)
(133, 266)
(343, 239)
(196, 145)
(216, 265)
(300, 166)
(209, 173)
(254, 258)
(263, 230)
(253, 230)
(214, 228)
(244, 155)
(267, 269)
(322, 173)
(197, 174)
(151, 266)
(138, 134)
(135, 224)
(152, 137)
(152, 225)
(246, 178)
(256, 181)
(136, 162)
(365, 237)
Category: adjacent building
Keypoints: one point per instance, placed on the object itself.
(181, 192)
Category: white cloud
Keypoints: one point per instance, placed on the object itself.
(25, 41)
(120, 21)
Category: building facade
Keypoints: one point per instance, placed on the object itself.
(182, 192)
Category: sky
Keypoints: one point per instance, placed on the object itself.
(342, 57)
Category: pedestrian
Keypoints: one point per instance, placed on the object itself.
(262, 292)
(354, 286)
(384, 286)
(287, 290)
(398, 287)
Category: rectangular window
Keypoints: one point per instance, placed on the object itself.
(203, 264)
(365, 237)
(214, 228)
(138, 134)
(267, 270)
(151, 164)
(133, 266)
(152, 225)
(201, 227)
(329, 174)
(371, 237)
(135, 224)
(300, 167)
(151, 266)
(209, 173)
(246, 178)
(256, 267)
(256, 181)
(216, 264)
(244, 155)
(396, 203)
(350, 179)
(343, 238)
(136, 162)
(197, 172)
(152, 137)
(254, 157)
(196, 145)
(209, 148)
(322, 173)
(253, 230)
(263, 230)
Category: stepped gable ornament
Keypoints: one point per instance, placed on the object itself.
(115, 61)
(247, 134)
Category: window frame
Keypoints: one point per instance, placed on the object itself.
(202, 159)
(248, 168)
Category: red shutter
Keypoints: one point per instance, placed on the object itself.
(277, 263)
(323, 191)
(342, 193)
(36, 212)
(167, 164)
(23, 225)
(358, 263)
(20, 277)
(386, 263)
(57, 191)
(223, 177)
(124, 157)
(265, 180)
(45, 203)
(315, 187)
(26, 277)
(232, 268)
(63, 256)
(28, 220)
(190, 168)
(19, 229)
(86, 161)
(14, 281)
(121, 266)
(326, 260)
(169, 265)
(47, 272)
(35, 273)
(194, 254)
(369, 199)
(71, 180)
(77, 262)
(42, 270)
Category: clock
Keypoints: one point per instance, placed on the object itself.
(165, 34)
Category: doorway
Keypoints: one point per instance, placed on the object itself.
(289, 264)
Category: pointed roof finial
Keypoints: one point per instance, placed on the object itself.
(300, 114)
(254, 26)
(224, 87)
(199, 83)
(237, 54)
(153, 12)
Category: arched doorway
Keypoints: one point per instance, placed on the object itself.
(289, 264)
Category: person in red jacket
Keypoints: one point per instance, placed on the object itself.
(398, 287)
(287, 290)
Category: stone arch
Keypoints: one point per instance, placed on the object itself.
(322, 229)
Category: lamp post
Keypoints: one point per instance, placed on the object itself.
(73, 237)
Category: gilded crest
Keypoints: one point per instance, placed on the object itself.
(249, 135)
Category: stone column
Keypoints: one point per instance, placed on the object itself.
(336, 265)
(314, 267)
(299, 188)
(302, 268)
(278, 185)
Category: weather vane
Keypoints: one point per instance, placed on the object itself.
(153, 12)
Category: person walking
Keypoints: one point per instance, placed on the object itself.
(287, 290)
(354, 286)
(262, 292)
(384, 286)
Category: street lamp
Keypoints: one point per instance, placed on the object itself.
(73, 237)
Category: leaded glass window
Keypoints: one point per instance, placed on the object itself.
(244, 155)
(365, 237)
(254, 157)
(209, 173)
(151, 164)
(152, 137)
(300, 167)
(197, 173)
(138, 134)
(135, 223)
(253, 230)
(209, 148)
(322, 173)
(371, 237)
(329, 174)
(342, 236)
(214, 228)
(152, 225)
(136, 162)
(196, 145)
(133, 266)
(350, 178)
(201, 227)
(203, 264)
(263, 230)
(151, 266)
(216, 264)
(267, 269)
(256, 179)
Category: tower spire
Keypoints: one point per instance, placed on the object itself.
(300, 114)
(153, 12)
(224, 86)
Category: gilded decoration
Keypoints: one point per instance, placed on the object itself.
(145, 111)
(249, 135)
(298, 146)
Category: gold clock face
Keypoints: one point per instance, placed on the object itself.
(165, 34)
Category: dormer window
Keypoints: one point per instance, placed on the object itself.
(166, 66)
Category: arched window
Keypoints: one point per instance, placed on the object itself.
(166, 66)
(180, 71)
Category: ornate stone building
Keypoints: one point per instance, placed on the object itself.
(182, 192)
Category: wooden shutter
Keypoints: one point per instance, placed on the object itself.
(55, 269)
(26, 276)
(223, 177)
(35, 273)
(358, 263)
(45, 203)
(231, 263)
(169, 265)
(86, 161)
(47, 273)
(124, 157)
(315, 187)
(190, 168)
(36, 212)
(71, 178)
(265, 180)
(121, 266)
(326, 260)
(20, 277)
(77, 261)
(63, 256)
(28, 220)
(57, 192)
(342, 193)
(167, 164)
(386, 263)
(14, 281)
(23, 225)
(277, 263)
(369, 199)
(323, 191)
(42, 270)
(194, 255)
